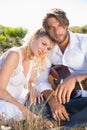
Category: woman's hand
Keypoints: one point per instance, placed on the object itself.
(27, 113)
(35, 97)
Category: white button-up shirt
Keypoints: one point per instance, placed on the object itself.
(75, 57)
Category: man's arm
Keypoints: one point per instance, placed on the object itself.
(43, 86)
(64, 90)
(58, 110)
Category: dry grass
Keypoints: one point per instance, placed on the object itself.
(38, 124)
(34, 124)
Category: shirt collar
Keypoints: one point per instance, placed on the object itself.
(73, 39)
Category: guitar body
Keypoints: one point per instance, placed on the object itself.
(58, 73)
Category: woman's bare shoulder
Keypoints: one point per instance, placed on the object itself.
(12, 58)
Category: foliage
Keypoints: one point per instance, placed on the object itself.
(15, 32)
(76, 29)
(79, 29)
(84, 29)
(10, 37)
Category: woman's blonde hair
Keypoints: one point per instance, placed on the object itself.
(39, 33)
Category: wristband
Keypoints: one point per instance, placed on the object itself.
(78, 86)
(81, 86)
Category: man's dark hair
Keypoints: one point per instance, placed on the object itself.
(59, 14)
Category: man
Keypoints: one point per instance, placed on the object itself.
(71, 51)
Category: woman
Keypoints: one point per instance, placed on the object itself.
(18, 72)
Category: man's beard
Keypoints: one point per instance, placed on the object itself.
(60, 42)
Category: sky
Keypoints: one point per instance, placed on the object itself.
(29, 13)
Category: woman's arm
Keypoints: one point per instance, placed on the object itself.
(9, 64)
(34, 96)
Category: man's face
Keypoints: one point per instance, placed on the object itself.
(56, 30)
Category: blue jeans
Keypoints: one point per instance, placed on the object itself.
(42, 109)
(77, 109)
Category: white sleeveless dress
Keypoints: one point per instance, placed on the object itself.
(16, 87)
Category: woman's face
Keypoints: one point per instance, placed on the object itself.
(41, 45)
